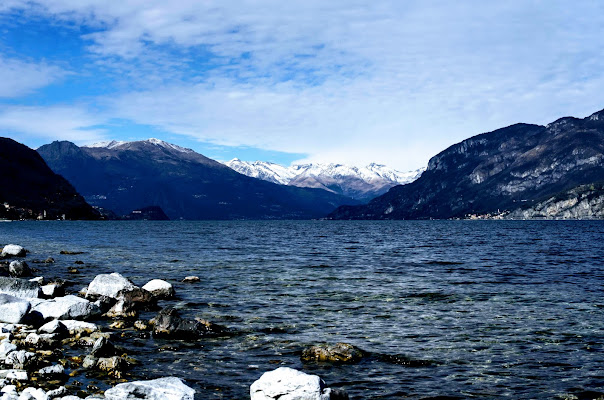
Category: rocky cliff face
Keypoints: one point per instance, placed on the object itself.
(583, 202)
(124, 176)
(520, 165)
(30, 189)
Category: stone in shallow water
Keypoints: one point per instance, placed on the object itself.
(54, 327)
(334, 353)
(13, 309)
(170, 388)
(290, 384)
(159, 288)
(13, 250)
(168, 323)
(108, 285)
(19, 269)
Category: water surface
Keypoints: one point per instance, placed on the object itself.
(456, 309)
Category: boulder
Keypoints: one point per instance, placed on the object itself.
(52, 290)
(191, 279)
(19, 269)
(21, 359)
(112, 365)
(102, 348)
(77, 328)
(342, 353)
(59, 392)
(130, 301)
(42, 341)
(108, 285)
(159, 289)
(67, 307)
(13, 250)
(170, 388)
(31, 393)
(14, 374)
(54, 327)
(6, 348)
(13, 309)
(52, 371)
(290, 384)
(19, 287)
(168, 323)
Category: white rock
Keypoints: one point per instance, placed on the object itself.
(13, 250)
(108, 285)
(9, 393)
(50, 290)
(16, 374)
(70, 398)
(19, 287)
(33, 394)
(5, 348)
(13, 309)
(289, 384)
(79, 327)
(61, 391)
(56, 369)
(38, 279)
(67, 307)
(170, 388)
(19, 358)
(159, 288)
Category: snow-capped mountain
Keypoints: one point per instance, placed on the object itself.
(115, 144)
(362, 183)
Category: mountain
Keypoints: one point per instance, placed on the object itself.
(582, 202)
(125, 176)
(362, 184)
(30, 188)
(496, 172)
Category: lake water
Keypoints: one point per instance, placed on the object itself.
(447, 309)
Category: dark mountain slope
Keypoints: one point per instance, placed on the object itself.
(30, 187)
(125, 176)
(500, 170)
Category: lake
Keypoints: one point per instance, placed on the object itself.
(444, 309)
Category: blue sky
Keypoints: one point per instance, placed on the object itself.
(350, 81)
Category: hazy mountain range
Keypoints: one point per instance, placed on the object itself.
(124, 176)
(362, 183)
(520, 167)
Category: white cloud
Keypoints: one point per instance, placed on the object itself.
(20, 78)
(71, 123)
(355, 81)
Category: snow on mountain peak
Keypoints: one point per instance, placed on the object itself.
(360, 183)
(113, 144)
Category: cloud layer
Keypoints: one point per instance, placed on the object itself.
(345, 81)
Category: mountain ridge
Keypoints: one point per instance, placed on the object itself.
(124, 176)
(361, 183)
(497, 171)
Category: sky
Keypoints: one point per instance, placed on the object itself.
(354, 82)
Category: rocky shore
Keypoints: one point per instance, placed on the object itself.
(48, 344)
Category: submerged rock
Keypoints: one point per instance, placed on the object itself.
(13, 309)
(170, 388)
(168, 323)
(290, 384)
(102, 348)
(13, 250)
(67, 307)
(108, 285)
(19, 269)
(159, 289)
(191, 279)
(334, 353)
(19, 287)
